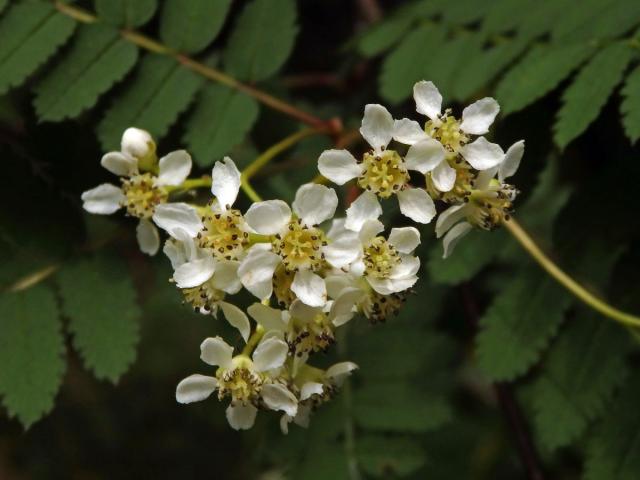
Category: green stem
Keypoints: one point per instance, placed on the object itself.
(189, 184)
(566, 281)
(332, 126)
(251, 193)
(255, 337)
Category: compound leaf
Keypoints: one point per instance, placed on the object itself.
(126, 13)
(630, 107)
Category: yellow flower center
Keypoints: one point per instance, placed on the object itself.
(383, 174)
(377, 308)
(311, 336)
(447, 131)
(490, 207)
(142, 195)
(380, 257)
(300, 247)
(282, 280)
(203, 298)
(223, 234)
(241, 381)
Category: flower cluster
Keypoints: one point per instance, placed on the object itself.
(309, 270)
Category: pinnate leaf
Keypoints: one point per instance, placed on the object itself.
(614, 450)
(30, 32)
(97, 59)
(126, 13)
(539, 72)
(31, 348)
(98, 297)
(190, 25)
(220, 121)
(630, 107)
(579, 375)
(519, 324)
(590, 90)
(262, 39)
(160, 91)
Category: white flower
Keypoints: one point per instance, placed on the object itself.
(297, 243)
(387, 264)
(444, 136)
(248, 381)
(488, 205)
(382, 172)
(141, 193)
(316, 386)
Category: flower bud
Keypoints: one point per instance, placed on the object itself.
(140, 145)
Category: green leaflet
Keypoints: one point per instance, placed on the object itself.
(505, 15)
(99, 299)
(405, 65)
(384, 35)
(126, 13)
(30, 32)
(159, 92)
(262, 39)
(578, 378)
(590, 90)
(31, 348)
(97, 59)
(629, 107)
(220, 121)
(614, 450)
(190, 25)
(384, 456)
(539, 72)
(519, 323)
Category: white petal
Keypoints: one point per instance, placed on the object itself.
(339, 166)
(511, 162)
(387, 286)
(377, 126)
(241, 417)
(236, 319)
(309, 389)
(454, 235)
(443, 176)
(269, 217)
(256, 272)
(425, 155)
(270, 353)
(428, 99)
(301, 311)
(416, 204)
(340, 371)
(365, 207)
(216, 352)
(478, 117)
(137, 143)
(315, 203)
(408, 131)
(119, 164)
(357, 268)
(285, 420)
(226, 278)
(309, 288)
(408, 267)
(194, 272)
(148, 238)
(271, 319)
(343, 250)
(176, 253)
(174, 168)
(450, 217)
(195, 388)
(172, 216)
(225, 182)
(105, 199)
(342, 310)
(337, 283)
(405, 239)
(278, 397)
(482, 154)
(369, 230)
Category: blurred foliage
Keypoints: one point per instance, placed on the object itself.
(423, 403)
